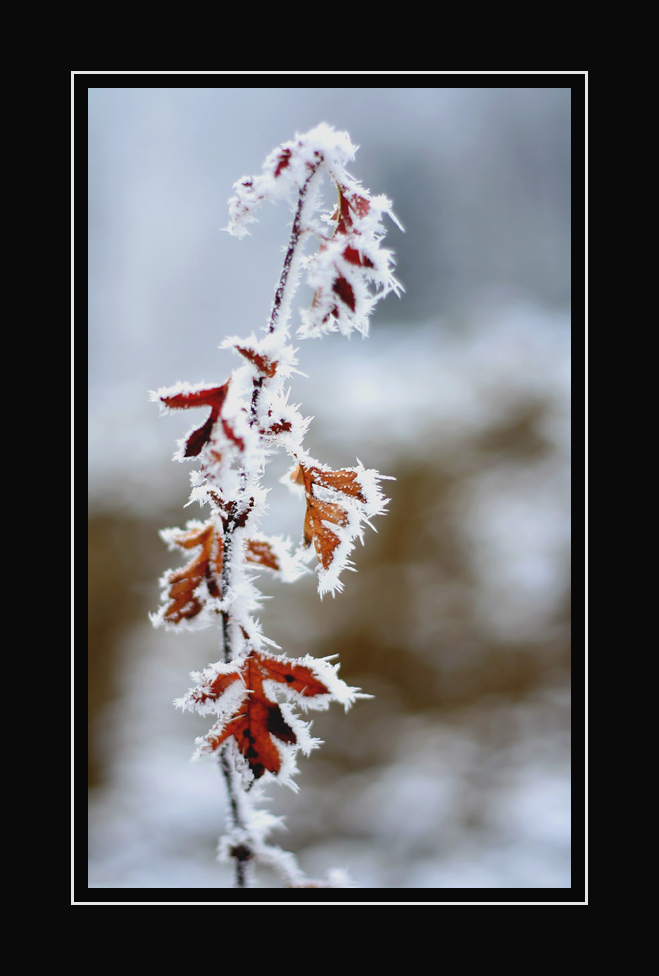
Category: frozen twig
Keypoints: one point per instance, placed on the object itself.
(254, 694)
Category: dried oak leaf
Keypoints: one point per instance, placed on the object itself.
(207, 564)
(261, 553)
(259, 718)
(319, 511)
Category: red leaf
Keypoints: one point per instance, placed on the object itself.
(352, 255)
(343, 215)
(283, 160)
(199, 437)
(212, 397)
(260, 719)
(266, 366)
(343, 289)
(361, 205)
(279, 427)
(241, 519)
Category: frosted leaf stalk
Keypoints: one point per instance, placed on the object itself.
(253, 693)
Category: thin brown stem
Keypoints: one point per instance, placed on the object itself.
(292, 247)
(241, 853)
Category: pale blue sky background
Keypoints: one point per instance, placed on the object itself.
(479, 177)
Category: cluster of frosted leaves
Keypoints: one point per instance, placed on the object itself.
(192, 596)
(350, 272)
(246, 695)
(240, 425)
(286, 171)
(337, 505)
(224, 435)
(269, 364)
(253, 695)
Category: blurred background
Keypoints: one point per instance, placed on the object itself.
(457, 773)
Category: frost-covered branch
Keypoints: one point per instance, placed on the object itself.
(253, 693)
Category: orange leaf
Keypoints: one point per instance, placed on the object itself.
(296, 676)
(347, 202)
(319, 511)
(260, 719)
(344, 480)
(361, 205)
(325, 541)
(183, 583)
(201, 695)
(260, 552)
(282, 161)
